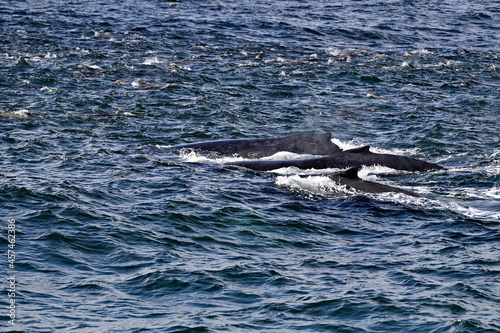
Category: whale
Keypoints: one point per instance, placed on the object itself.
(307, 143)
(350, 179)
(330, 156)
(352, 158)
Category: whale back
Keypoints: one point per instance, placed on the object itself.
(307, 143)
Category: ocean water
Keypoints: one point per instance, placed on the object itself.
(116, 233)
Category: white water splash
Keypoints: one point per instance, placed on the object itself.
(316, 181)
(333, 51)
(493, 192)
(51, 90)
(190, 156)
(285, 155)
(322, 186)
(355, 144)
(21, 113)
(318, 185)
(151, 61)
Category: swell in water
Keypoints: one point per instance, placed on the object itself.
(114, 233)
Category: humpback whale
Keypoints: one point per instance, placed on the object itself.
(350, 179)
(316, 144)
(356, 158)
(308, 143)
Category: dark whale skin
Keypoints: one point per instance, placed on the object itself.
(307, 143)
(352, 158)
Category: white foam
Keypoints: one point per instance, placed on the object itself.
(191, 156)
(21, 113)
(442, 205)
(51, 90)
(304, 172)
(322, 185)
(399, 198)
(136, 83)
(450, 63)
(476, 193)
(333, 51)
(424, 52)
(315, 182)
(249, 64)
(407, 64)
(151, 61)
(354, 144)
(326, 187)
(96, 67)
(493, 192)
(319, 185)
(451, 203)
(285, 155)
(346, 145)
(488, 170)
(370, 172)
(472, 212)
(42, 56)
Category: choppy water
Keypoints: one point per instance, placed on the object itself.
(114, 233)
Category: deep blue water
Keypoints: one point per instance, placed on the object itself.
(115, 233)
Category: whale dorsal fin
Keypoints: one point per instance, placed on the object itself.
(351, 173)
(364, 149)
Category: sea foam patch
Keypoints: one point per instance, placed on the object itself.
(318, 185)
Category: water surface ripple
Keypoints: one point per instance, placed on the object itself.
(115, 233)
